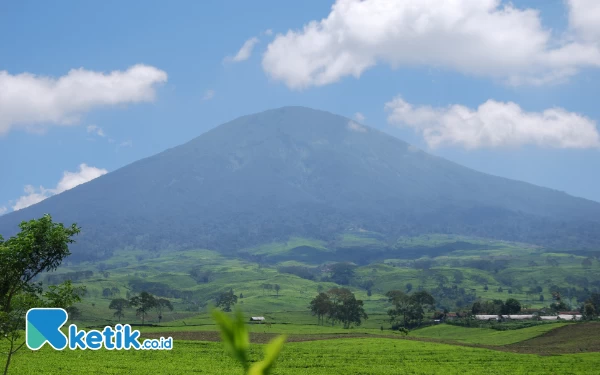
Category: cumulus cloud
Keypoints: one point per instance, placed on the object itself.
(68, 181)
(126, 144)
(268, 32)
(208, 95)
(495, 124)
(584, 19)
(3, 210)
(356, 127)
(476, 37)
(245, 52)
(359, 117)
(35, 102)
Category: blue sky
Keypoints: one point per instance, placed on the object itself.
(510, 90)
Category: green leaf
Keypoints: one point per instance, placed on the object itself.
(271, 353)
(234, 335)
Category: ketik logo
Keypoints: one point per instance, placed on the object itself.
(43, 326)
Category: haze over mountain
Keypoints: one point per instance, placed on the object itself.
(295, 171)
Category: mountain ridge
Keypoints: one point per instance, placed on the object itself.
(298, 171)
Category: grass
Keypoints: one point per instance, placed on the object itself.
(341, 356)
(483, 336)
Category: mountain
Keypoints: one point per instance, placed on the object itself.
(295, 171)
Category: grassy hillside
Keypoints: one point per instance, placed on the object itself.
(471, 269)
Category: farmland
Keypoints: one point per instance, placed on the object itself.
(369, 355)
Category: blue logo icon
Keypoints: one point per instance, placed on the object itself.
(43, 326)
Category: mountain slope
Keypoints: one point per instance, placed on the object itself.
(298, 171)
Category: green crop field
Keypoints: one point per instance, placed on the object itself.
(192, 279)
(483, 336)
(339, 356)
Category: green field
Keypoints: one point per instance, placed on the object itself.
(340, 356)
(483, 336)
(192, 279)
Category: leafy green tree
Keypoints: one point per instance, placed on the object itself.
(345, 308)
(73, 312)
(277, 288)
(589, 311)
(226, 299)
(40, 246)
(409, 287)
(511, 306)
(342, 273)
(586, 263)
(162, 304)
(143, 303)
(408, 310)
(320, 306)
(119, 305)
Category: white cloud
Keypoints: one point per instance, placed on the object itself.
(476, 37)
(96, 130)
(67, 182)
(34, 102)
(209, 94)
(3, 210)
(126, 144)
(495, 124)
(245, 52)
(268, 32)
(359, 117)
(356, 127)
(584, 18)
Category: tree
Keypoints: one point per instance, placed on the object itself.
(267, 287)
(486, 288)
(409, 287)
(144, 303)
(342, 273)
(589, 312)
(106, 292)
(277, 289)
(410, 308)
(162, 304)
(511, 306)
(73, 312)
(345, 308)
(227, 299)
(586, 263)
(40, 246)
(119, 305)
(320, 306)
(541, 298)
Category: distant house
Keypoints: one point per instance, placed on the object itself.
(451, 316)
(257, 319)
